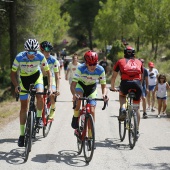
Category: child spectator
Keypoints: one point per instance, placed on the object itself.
(161, 88)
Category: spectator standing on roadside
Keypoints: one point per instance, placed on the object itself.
(144, 88)
(72, 68)
(104, 64)
(66, 62)
(61, 63)
(152, 81)
(161, 88)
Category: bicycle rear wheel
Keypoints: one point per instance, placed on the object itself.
(122, 130)
(133, 129)
(89, 140)
(28, 135)
(48, 122)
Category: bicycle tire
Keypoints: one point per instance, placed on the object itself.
(122, 130)
(89, 148)
(133, 129)
(79, 140)
(28, 135)
(47, 126)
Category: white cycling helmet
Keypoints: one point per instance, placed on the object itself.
(31, 44)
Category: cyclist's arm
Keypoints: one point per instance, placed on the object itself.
(13, 77)
(104, 90)
(57, 80)
(49, 79)
(113, 79)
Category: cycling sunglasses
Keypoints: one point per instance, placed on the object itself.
(31, 52)
(47, 49)
(93, 64)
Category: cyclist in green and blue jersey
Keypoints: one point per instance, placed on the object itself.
(84, 83)
(28, 64)
(46, 48)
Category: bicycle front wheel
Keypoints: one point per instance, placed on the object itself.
(28, 135)
(89, 140)
(122, 130)
(79, 138)
(133, 129)
(47, 123)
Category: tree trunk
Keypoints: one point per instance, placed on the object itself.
(137, 44)
(13, 35)
(156, 50)
(90, 38)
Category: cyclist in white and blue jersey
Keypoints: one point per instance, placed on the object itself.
(46, 48)
(84, 83)
(28, 64)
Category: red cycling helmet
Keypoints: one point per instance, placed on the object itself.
(91, 57)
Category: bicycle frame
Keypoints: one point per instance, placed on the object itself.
(85, 110)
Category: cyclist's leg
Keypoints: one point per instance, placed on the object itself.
(39, 88)
(122, 99)
(23, 115)
(136, 102)
(74, 123)
(52, 99)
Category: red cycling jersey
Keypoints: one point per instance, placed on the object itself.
(120, 66)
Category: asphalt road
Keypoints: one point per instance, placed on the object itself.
(59, 150)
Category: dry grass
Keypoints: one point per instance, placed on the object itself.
(9, 110)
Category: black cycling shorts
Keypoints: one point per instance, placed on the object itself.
(125, 85)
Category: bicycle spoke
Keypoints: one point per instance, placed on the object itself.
(122, 130)
(89, 140)
(28, 135)
(132, 130)
(47, 126)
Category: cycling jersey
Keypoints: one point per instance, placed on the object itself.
(53, 64)
(29, 67)
(83, 75)
(120, 65)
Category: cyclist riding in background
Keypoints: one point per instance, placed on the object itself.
(28, 64)
(84, 83)
(131, 71)
(46, 48)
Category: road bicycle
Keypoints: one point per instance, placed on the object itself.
(131, 122)
(30, 128)
(46, 112)
(86, 131)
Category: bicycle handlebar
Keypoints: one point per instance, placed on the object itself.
(33, 90)
(88, 99)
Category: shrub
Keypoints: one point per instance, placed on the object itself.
(5, 78)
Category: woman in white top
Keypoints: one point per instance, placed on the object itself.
(72, 68)
(152, 81)
(161, 88)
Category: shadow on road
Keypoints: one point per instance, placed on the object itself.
(162, 166)
(161, 148)
(68, 157)
(15, 156)
(112, 143)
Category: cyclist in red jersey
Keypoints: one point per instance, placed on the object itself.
(131, 71)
